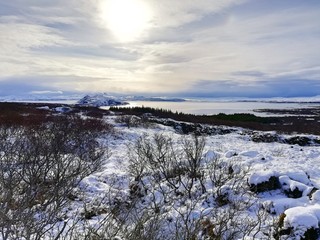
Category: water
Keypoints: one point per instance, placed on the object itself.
(205, 107)
(216, 107)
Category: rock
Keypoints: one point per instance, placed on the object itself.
(267, 138)
(302, 222)
(311, 233)
(293, 188)
(264, 183)
(296, 193)
(314, 195)
(301, 141)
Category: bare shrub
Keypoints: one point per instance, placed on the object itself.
(39, 167)
(129, 120)
(134, 121)
(194, 196)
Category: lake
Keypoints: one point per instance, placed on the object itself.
(216, 107)
(207, 107)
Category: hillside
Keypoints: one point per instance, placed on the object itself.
(146, 179)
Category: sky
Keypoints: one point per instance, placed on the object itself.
(186, 48)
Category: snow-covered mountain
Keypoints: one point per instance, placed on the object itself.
(99, 100)
(105, 99)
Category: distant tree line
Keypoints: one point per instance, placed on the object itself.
(220, 118)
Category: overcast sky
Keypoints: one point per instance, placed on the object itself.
(208, 48)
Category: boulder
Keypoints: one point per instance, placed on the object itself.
(264, 181)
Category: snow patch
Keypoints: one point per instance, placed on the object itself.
(298, 217)
(231, 153)
(316, 197)
(279, 205)
(291, 185)
(260, 177)
(211, 155)
(43, 108)
(299, 176)
(250, 154)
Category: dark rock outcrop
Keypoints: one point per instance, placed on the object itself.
(272, 184)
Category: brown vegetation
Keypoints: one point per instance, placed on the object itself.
(43, 156)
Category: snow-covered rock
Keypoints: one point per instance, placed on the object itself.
(315, 197)
(299, 176)
(303, 220)
(281, 204)
(231, 153)
(264, 181)
(294, 189)
(62, 109)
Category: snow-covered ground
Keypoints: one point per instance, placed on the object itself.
(294, 168)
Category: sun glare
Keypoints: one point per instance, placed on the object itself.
(127, 19)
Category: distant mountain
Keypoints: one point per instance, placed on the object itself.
(105, 99)
(153, 99)
(99, 100)
(314, 99)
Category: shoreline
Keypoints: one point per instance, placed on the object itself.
(300, 121)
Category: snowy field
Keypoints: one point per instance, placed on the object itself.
(84, 173)
(247, 190)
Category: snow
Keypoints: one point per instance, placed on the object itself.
(102, 99)
(289, 184)
(294, 168)
(316, 197)
(250, 154)
(280, 204)
(260, 177)
(231, 153)
(62, 109)
(211, 155)
(44, 108)
(299, 176)
(307, 217)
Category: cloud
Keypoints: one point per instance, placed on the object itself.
(241, 46)
(21, 86)
(244, 49)
(249, 73)
(177, 13)
(264, 88)
(46, 92)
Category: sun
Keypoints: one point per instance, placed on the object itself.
(126, 19)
